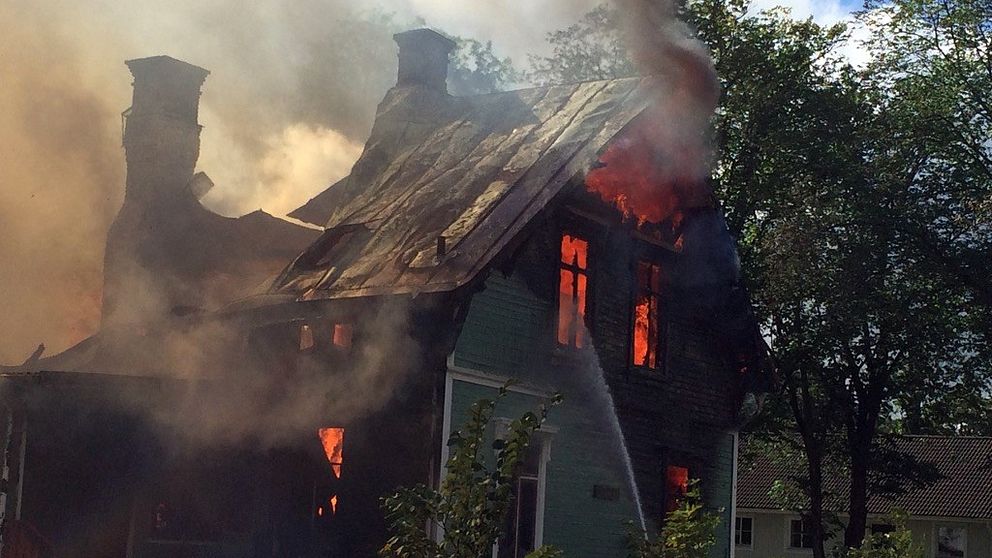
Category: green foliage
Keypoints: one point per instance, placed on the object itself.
(588, 50)
(474, 496)
(860, 199)
(689, 531)
(475, 69)
(897, 544)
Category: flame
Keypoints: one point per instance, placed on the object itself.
(572, 287)
(333, 441)
(676, 484)
(320, 511)
(644, 354)
(334, 504)
(646, 315)
(647, 182)
(342, 336)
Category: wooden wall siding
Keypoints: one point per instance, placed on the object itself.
(581, 458)
(680, 414)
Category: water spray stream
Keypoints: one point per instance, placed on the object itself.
(599, 394)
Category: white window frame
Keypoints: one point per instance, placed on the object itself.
(936, 534)
(543, 437)
(751, 544)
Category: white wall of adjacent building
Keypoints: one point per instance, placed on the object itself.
(771, 530)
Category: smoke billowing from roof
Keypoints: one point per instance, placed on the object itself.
(677, 124)
(289, 102)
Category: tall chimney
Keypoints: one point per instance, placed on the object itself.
(423, 58)
(162, 135)
(147, 245)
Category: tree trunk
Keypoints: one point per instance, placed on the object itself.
(815, 462)
(854, 534)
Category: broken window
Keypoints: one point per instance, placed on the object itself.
(520, 530)
(646, 325)
(676, 486)
(572, 285)
(306, 337)
(332, 441)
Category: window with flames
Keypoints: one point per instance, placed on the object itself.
(332, 441)
(572, 285)
(646, 333)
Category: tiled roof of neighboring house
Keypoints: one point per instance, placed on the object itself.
(471, 170)
(964, 489)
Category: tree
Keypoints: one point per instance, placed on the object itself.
(931, 67)
(476, 69)
(587, 50)
(688, 532)
(862, 319)
(474, 496)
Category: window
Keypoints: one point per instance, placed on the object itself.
(743, 530)
(676, 485)
(520, 536)
(646, 315)
(342, 336)
(332, 441)
(800, 534)
(572, 285)
(951, 542)
(306, 337)
(882, 528)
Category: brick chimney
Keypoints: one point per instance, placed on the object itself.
(162, 135)
(423, 59)
(146, 244)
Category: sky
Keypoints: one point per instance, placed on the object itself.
(285, 112)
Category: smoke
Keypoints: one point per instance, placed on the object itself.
(230, 393)
(60, 185)
(288, 105)
(685, 90)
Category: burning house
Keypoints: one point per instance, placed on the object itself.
(477, 239)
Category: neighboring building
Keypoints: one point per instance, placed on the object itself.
(950, 518)
(467, 246)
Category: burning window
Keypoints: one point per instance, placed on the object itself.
(306, 337)
(332, 440)
(646, 326)
(341, 337)
(573, 281)
(676, 486)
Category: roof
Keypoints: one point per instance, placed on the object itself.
(471, 170)
(964, 491)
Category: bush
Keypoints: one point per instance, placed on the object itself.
(473, 500)
(896, 544)
(689, 531)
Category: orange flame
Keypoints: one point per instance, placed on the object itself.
(333, 441)
(676, 485)
(648, 178)
(572, 286)
(334, 504)
(342, 336)
(646, 315)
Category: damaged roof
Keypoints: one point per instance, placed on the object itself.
(446, 182)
